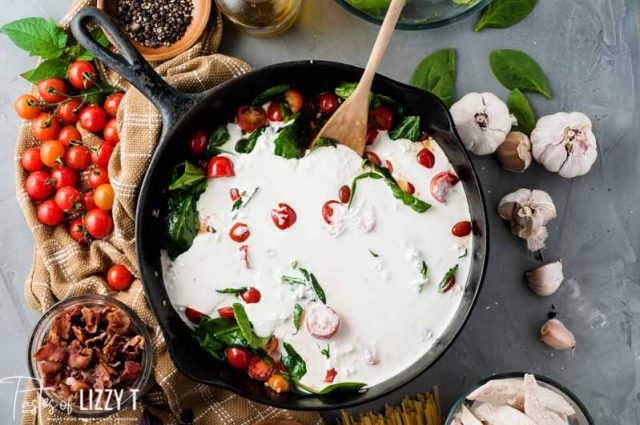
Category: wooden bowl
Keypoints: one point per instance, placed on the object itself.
(199, 20)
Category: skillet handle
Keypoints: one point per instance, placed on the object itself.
(130, 64)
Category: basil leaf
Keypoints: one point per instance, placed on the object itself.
(354, 183)
(505, 13)
(437, 74)
(517, 70)
(234, 291)
(408, 128)
(50, 68)
(289, 142)
(293, 362)
(324, 141)
(246, 145)
(219, 137)
(521, 109)
(182, 223)
(341, 387)
(297, 316)
(370, 7)
(416, 204)
(189, 178)
(38, 36)
(450, 274)
(246, 328)
(311, 279)
(266, 95)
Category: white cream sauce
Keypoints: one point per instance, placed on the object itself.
(386, 322)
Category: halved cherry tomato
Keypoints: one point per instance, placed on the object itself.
(327, 211)
(98, 223)
(238, 358)
(251, 296)
(110, 132)
(327, 103)
(220, 166)
(283, 216)
(45, 127)
(374, 158)
(97, 176)
(381, 118)
(461, 229)
(198, 142)
(250, 118)
(30, 159)
(69, 134)
(344, 194)
(77, 231)
(103, 196)
(294, 100)
(119, 278)
(86, 201)
(258, 368)
(193, 315)
(64, 176)
(234, 193)
(441, 183)
(77, 158)
(49, 213)
(322, 321)
(112, 104)
(406, 186)
(93, 118)
(272, 345)
(26, 107)
(52, 90)
(67, 198)
(81, 74)
(372, 133)
(426, 158)
(226, 312)
(389, 165)
(274, 111)
(239, 232)
(330, 375)
(102, 155)
(39, 185)
(52, 153)
(69, 112)
(244, 256)
(450, 284)
(278, 384)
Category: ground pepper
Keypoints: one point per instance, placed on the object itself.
(155, 23)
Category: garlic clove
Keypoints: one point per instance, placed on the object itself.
(545, 280)
(528, 211)
(556, 335)
(514, 153)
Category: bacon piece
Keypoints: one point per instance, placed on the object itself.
(81, 359)
(119, 322)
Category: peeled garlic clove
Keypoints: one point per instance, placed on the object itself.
(565, 144)
(528, 211)
(482, 120)
(556, 335)
(545, 280)
(515, 152)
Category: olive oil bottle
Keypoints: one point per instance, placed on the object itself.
(261, 18)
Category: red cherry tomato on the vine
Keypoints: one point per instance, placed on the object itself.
(461, 229)
(110, 132)
(239, 232)
(283, 216)
(69, 134)
(30, 159)
(426, 158)
(258, 369)
(52, 90)
(98, 176)
(64, 176)
(198, 142)
(98, 223)
(250, 118)
(67, 198)
(52, 153)
(69, 112)
(49, 213)
(77, 231)
(77, 158)
(344, 194)
(220, 166)
(87, 202)
(102, 154)
(327, 211)
(81, 75)
(238, 358)
(26, 107)
(274, 111)
(119, 278)
(193, 315)
(381, 118)
(93, 118)
(294, 100)
(112, 104)
(226, 312)
(39, 185)
(45, 127)
(251, 296)
(327, 103)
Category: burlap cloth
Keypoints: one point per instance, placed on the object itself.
(62, 268)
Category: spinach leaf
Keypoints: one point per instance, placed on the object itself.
(341, 387)
(416, 204)
(297, 316)
(517, 70)
(234, 291)
(324, 141)
(311, 279)
(293, 362)
(50, 68)
(437, 74)
(505, 13)
(370, 7)
(294, 280)
(521, 109)
(266, 95)
(216, 334)
(424, 270)
(408, 128)
(326, 351)
(375, 255)
(246, 328)
(444, 285)
(289, 142)
(243, 201)
(182, 222)
(38, 36)
(188, 177)
(345, 89)
(219, 137)
(246, 145)
(354, 183)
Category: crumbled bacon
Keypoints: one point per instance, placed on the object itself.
(90, 320)
(131, 371)
(119, 322)
(81, 359)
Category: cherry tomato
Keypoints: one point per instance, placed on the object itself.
(49, 213)
(81, 75)
(64, 176)
(52, 153)
(258, 368)
(327, 210)
(239, 232)
(220, 166)
(226, 312)
(69, 112)
(69, 134)
(102, 154)
(86, 201)
(26, 107)
(406, 186)
(93, 118)
(119, 278)
(374, 158)
(278, 384)
(77, 231)
(322, 321)
(250, 118)
(198, 142)
(234, 193)
(381, 118)
(330, 375)
(112, 104)
(294, 100)
(426, 158)
(39, 185)
(389, 165)
(103, 196)
(98, 176)
(283, 216)
(372, 134)
(52, 90)
(238, 358)
(110, 132)
(344, 194)
(440, 185)
(30, 159)
(461, 229)
(77, 158)
(272, 345)
(327, 103)
(193, 315)
(98, 223)
(244, 256)
(310, 107)
(274, 111)
(67, 198)
(45, 127)
(251, 296)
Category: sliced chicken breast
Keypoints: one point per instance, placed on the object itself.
(501, 415)
(535, 409)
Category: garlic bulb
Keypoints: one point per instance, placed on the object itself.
(515, 152)
(528, 211)
(556, 335)
(565, 144)
(545, 280)
(482, 120)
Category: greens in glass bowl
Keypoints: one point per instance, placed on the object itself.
(417, 14)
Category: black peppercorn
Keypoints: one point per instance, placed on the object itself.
(155, 23)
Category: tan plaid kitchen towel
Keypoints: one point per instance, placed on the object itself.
(62, 268)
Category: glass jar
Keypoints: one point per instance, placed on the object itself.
(261, 18)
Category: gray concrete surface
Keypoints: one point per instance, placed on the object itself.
(589, 50)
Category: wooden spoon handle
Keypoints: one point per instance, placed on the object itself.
(382, 41)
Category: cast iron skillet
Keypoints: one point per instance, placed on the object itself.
(182, 114)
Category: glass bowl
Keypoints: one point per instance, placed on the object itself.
(421, 14)
(40, 334)
(582, 416)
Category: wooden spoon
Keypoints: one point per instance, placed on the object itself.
(348, 125)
